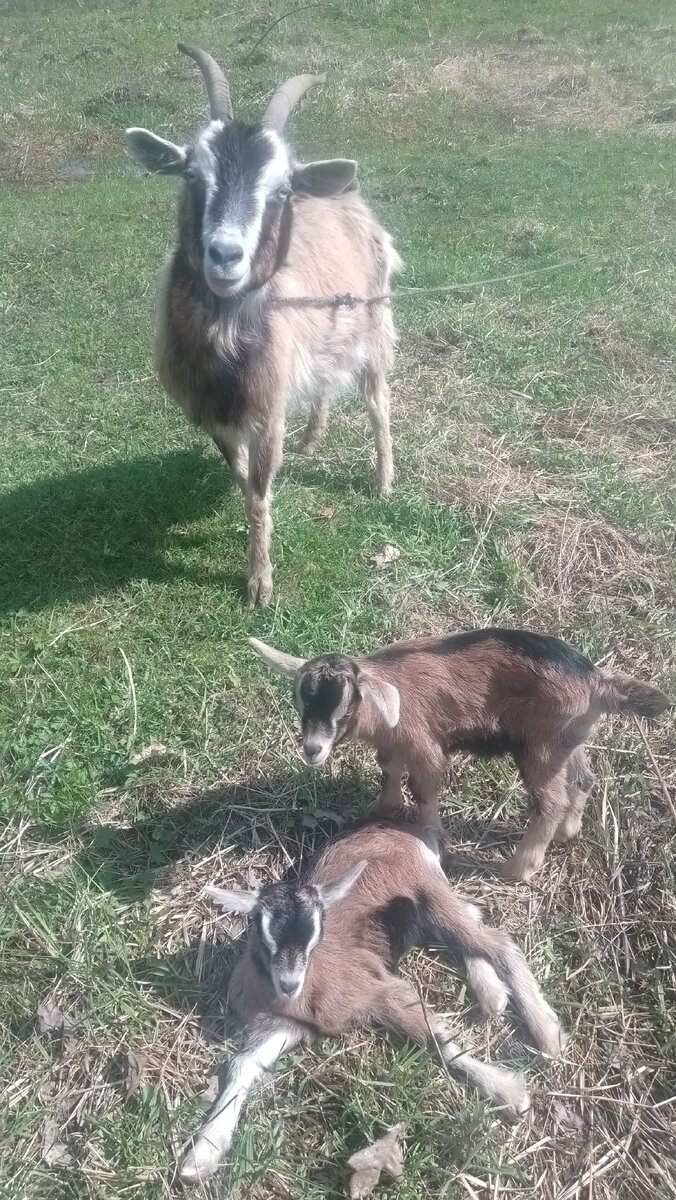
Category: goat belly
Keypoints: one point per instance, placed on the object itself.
(483, 745)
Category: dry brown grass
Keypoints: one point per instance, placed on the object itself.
(538, 81)
(579, 561)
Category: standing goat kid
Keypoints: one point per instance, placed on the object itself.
(492, 691)
(321, 960)
(257, 232)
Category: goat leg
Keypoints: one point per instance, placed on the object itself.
(259, 1054)
(426, 780)
(399, 1008)
(390, 799)
(547, 784)
(314, 430)
(232, 444)
(580, 781)
(377, 396)
(265, 456)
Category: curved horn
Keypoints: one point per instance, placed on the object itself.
(217, 85)
(286, 98)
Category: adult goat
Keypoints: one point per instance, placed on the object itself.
(257, 232)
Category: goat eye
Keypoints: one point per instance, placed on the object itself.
(190, 175)
(283, 191)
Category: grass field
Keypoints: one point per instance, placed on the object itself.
(534, 423)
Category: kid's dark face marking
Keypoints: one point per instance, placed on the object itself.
(324, 695)
(289, 925)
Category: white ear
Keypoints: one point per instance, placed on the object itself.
(285, 664)
(381, 697)
(233, 902)
(155, 153)
(332, 892)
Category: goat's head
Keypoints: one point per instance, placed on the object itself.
(289, 921)
(238, 182)
(335, 697)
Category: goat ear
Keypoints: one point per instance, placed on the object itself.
(332, 892)
(285, 664)
(382, 698)
(327, 178)
(154, 153)
(232, 902)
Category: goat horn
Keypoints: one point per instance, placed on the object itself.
(217, 85)
(286, 98)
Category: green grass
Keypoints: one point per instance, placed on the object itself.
(534, 422)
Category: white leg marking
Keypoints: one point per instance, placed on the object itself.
(246, 1070)
(487, 986)
(502, 1086)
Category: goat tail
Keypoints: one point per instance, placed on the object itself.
(618, 692)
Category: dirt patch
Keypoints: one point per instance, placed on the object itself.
(537, 82)
(35, 160)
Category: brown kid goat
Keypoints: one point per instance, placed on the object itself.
(488, 692)
(236, 343)
(321, 960)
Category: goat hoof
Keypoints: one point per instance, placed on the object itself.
(200, 1162)
(511, 872)
(260, 588)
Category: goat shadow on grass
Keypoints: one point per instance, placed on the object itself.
(71, 535)
(262, 816)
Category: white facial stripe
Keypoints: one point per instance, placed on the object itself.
(344, 702)
(265, 930)
(204, 158)
(316, 931)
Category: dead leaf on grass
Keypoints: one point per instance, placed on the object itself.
(152, 750)
(52, 1020)
(324, 514)
(388, 554)
(54, 1152)
(212, 1089)
(386, 1154)
(566, 1116)
(136, 1065)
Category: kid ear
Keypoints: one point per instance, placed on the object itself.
(380, 697)
(232, 902)
(332, 892)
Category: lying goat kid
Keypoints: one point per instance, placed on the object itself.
(488, 692)
(260, 234)
(321, 960)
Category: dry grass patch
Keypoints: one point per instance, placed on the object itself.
(578, 561)
(541, 82)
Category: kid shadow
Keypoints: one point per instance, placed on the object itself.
(288, 815)
(65, 537)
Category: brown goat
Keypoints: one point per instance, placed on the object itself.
(321, 959)
(492, 691)
(258, 235)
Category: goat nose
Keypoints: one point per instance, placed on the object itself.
(312, 750)
(288, 986)
(225, 251)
